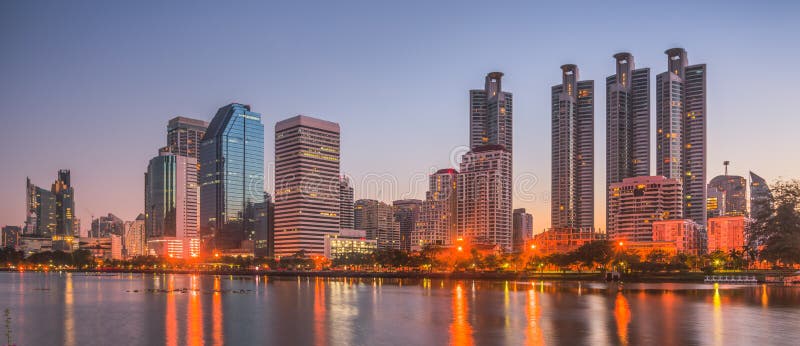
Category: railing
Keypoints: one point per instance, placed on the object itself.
(741, 279)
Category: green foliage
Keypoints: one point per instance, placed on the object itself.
(776, 231)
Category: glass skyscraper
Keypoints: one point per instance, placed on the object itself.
(231, 176)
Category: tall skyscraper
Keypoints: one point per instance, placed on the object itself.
(572, 187)
(406, 214)
(65, 211)
(41, 211)
(522, 229)
(377, 219)
(51, 213)
(264, 245)
(231, 176)
(134, 241)
(105, 226)
(627, 121)
(184, 136)
(484, 196)
(172, 200)
(346, 220)
(438, 224)
(307, 202)
(491, 111)
(760, 196)
(681, 130)
(639, 201)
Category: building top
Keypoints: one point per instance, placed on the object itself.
(307, 121)
(179, 120)
(447, 171)
(407, 201)
(645, 180)
(223, 116)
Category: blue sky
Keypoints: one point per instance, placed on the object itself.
(90, 85)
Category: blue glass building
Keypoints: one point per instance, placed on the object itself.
(231, 177)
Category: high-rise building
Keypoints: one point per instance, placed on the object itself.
(635, 203)
(10, 236)
(572, 187)
(105, 226)
(231, 177)
(484, 196)
(522, 229)
(760, 196)
(438, 225)
(729, 194)
(172, 200)
(406, 214)
(184, 136)
(346, 220)
(134, 243)
(681, 130)
(264, 245)
(378, 220)
(491, 111)
(65, 211)
(41, 211)
(307, 202)
(627, 121)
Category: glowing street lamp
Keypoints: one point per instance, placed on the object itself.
(533, 246)
(460, 249)
(621, 244)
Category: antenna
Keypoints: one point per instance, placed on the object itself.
(726, 163)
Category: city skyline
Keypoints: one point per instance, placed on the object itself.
(127, 142)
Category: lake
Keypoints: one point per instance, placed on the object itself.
(176, 309)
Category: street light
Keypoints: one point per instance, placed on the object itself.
(533, 246)
(460, 249)
(621, 243)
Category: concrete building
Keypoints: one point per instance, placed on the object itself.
(726, 233)
(9, 238)
(307, 201)
(728, 193)
(377, 220)
(572, 185)
(627, 121)
(117, 247)
(522, 231)
(51, 212)
(134, 240)
(491, 111)
(348, 242)
(231, 177)
(562, 240)
(346, 220)
(437, 225)
(100, 247)
(484, 197)
(184, 136)
(172, 200)
(684, 233)
(406, 215)
(635, 203)
(681, 130)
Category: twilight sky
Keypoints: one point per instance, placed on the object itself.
(90, 85)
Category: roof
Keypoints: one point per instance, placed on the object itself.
(307, 121)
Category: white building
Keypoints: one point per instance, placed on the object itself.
(635, 203)
(484, 197)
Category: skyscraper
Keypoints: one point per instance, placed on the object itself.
(484, 196)
(171, 200)
(41, 211)
(134, 243)
(681, 130)
(637, 202)
(572, 185)
(491, 111)
(731, 194)
(184, 136)
(264, 245)
(346, 220)
(378, 220)
(438, 224)
(65, 211)
(105, 226)
(760, 196)
(307, 202)
(522, 229)
(627, 121)
(406, 214)
(231, 176)
(51, 213)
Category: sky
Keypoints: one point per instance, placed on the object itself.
(90, 85)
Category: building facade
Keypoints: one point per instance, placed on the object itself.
(134, 240)
(307, 201)
(346, 220)
(438, 225)
(264, 244)
(636, 203)
(406, 215)
(491, 111)
(522, 229)
(104, 226)
(10, 236)
(681, 130)
(172, 200)
(572, 185)
(760, 196)
(484, 197)
(726, 233)
(184, 136)
(231, 177)
(563, 240)
(729, 194)
(377, 219)
(348, 242)
(684, 233)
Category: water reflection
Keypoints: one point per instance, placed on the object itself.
(717, 315)
(194, 331)
(533, 314)
(171, 326)
(69, 315)
(622, 314)
(216, 314)
(460, 328)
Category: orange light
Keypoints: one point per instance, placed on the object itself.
(460, 249)
(216, 255)
(533, 246)
(621, 243)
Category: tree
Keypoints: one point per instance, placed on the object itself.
(594, 253)
(776, 230)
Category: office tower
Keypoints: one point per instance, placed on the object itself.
(627, 121)
(637, 202)
(681, 130)
(307, 202)
(105, 226)
(437, 225)
(346, 220)
(491, 111)
(171, 200)
(134, 243)
(10, 236)
(760, 196)
(65, 211)
(726, 233)
(41, 211)
(184, 136)
(730, 192)
(484, 196)
(377, 219)
(264, 245)
(406, 214)
(231, 176)
(522, 229)
(572, 185)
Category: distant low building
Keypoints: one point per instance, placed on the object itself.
(348, 241)
(726, 233)
(32, 245)
(99, 247)
(10, 236)
(684, 233)
(116, 247)
(563, 240)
